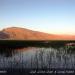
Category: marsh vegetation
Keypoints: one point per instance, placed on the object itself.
(37, 55)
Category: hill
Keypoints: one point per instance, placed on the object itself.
(17, 33)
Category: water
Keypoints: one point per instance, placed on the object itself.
(39, 58)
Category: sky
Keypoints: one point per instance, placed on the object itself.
(50, 16)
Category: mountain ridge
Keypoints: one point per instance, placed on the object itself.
(17, 33)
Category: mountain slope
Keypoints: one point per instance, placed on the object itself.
(16, 33)
(26, 34)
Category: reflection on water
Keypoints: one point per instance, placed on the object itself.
(39, 58)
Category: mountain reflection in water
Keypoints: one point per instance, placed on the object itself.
(39, 58)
